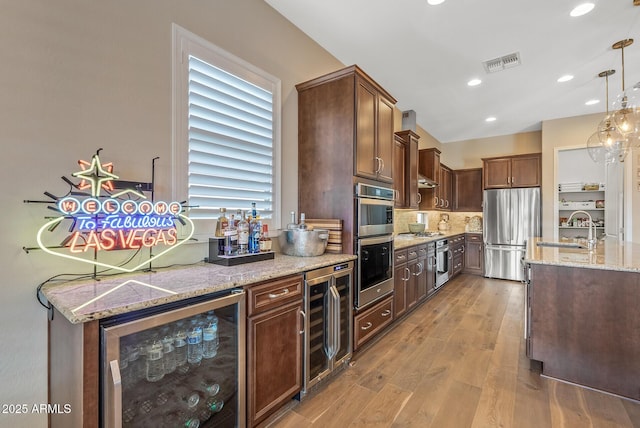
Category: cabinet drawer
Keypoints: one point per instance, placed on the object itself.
(422, 252)
(269, 295)
(372, 321)
(412, 253)
(474, 238)
(400, 256)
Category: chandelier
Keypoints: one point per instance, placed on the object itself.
(620, 129)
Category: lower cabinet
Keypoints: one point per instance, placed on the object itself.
(474, 255)
(401, 276)
(457, 248)
(421, 274)
(371, 321)
(274, 345)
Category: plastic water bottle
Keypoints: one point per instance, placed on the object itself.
(169, 355)
(155, 361)
(194, 343)
(180, 345)
(210, 336)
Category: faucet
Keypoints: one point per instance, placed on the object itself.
(591, 238)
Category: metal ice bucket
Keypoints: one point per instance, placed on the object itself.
(303, 243)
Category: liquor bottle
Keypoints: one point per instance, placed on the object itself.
(222, 223)
(256, 231)
(243, 235)
(302, 224)
(293, 224)
(265, 240)
(237, 218)
(230, 239)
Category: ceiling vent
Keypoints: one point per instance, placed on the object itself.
(502, 63)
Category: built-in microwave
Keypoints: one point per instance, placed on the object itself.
(374, 210)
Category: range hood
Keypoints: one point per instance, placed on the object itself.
(425, 183)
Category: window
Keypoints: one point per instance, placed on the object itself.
(227, 131)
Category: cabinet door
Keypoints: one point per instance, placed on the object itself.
(467, 190)
(274, 359)
(399, 185)
(445, 189)
(474, 257)
(413, 197)
(400, 279)
(366, 163)
(526, 171)
(412, 283)
(384, 140)
(421, 273)
(497, 173)
(431, 272)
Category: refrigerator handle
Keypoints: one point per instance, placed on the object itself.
(117, 394)
(328, 309)
(336, 320)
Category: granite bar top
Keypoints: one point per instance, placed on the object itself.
(85, 300)
(609, 254)
(403, 240)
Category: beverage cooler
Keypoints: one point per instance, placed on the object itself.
(179, 365)
(329, 308)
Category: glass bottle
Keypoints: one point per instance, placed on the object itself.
(230, 239)
(293, 224)
(302, 224)
(243, 235)
(222, 223)
(265, 240)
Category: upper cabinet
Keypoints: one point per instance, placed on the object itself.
(429, 164)
(467, 189)
(512, 171)
(406, 169)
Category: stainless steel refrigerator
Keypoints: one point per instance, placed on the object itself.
(510, 218)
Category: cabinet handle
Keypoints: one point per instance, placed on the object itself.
(408, 272)
(381, 164)
(436, 201)
(420, 271)
(117, 393)
(276, 295)
(462, 249)
(513, 180)
(304, 319)
(419, 197)
(385, 313)
(367, 326)
(447, 203)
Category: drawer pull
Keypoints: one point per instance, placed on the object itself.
(385, 313)
(276, 295)
(367, 326)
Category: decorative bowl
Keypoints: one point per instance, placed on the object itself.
(416, 227)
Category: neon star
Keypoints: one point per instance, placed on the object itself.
(95, 175)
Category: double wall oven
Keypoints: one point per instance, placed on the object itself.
(374, 243)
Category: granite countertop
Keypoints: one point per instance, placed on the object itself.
(409, 240)
(85, 300)
(610, 254)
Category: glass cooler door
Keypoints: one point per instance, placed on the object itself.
(182, 367)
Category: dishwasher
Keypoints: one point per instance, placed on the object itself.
(329, 308)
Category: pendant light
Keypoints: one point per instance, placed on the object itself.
(627, 109)
(597, 141)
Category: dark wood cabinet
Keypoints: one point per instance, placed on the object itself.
(474, 254)
(457, 245)
(406, 169)
(421, 274)
(345, 133)
(401, 276)
(431, 268)
(467, 190)
(274, 346)
(372, 321)
(446, 176)
(439, 197)
(512, 171)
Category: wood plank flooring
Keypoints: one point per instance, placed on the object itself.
(456, 361)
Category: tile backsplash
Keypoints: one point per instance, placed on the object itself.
(458, 220)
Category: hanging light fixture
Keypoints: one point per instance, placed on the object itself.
(627, 105)
(602, 137)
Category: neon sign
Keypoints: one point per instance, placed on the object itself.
(112, 221)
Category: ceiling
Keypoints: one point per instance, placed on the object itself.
(424, 56)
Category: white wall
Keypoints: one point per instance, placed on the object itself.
(78, 75)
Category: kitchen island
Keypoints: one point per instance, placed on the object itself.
(582, 316)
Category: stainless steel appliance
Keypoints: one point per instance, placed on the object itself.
(328, 307)
(510, 218)
(374, 243)
(444, 260)
(374, 210)
(206, 393)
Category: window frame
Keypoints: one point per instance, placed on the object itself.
(185, 44)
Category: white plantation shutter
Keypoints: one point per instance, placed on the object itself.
(230, 142)
(226, 150)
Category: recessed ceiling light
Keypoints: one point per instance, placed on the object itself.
(490, 119)
(592, 102)
(474, 82)
(435, 2)
(582, 9)
(565, 78)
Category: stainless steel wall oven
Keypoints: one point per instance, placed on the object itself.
(374, 243)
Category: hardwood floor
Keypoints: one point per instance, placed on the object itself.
(456, 361)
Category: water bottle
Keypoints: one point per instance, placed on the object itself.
(169, 355)
(180, 344)
(194, 343)
(210, 336)
(155, 361)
